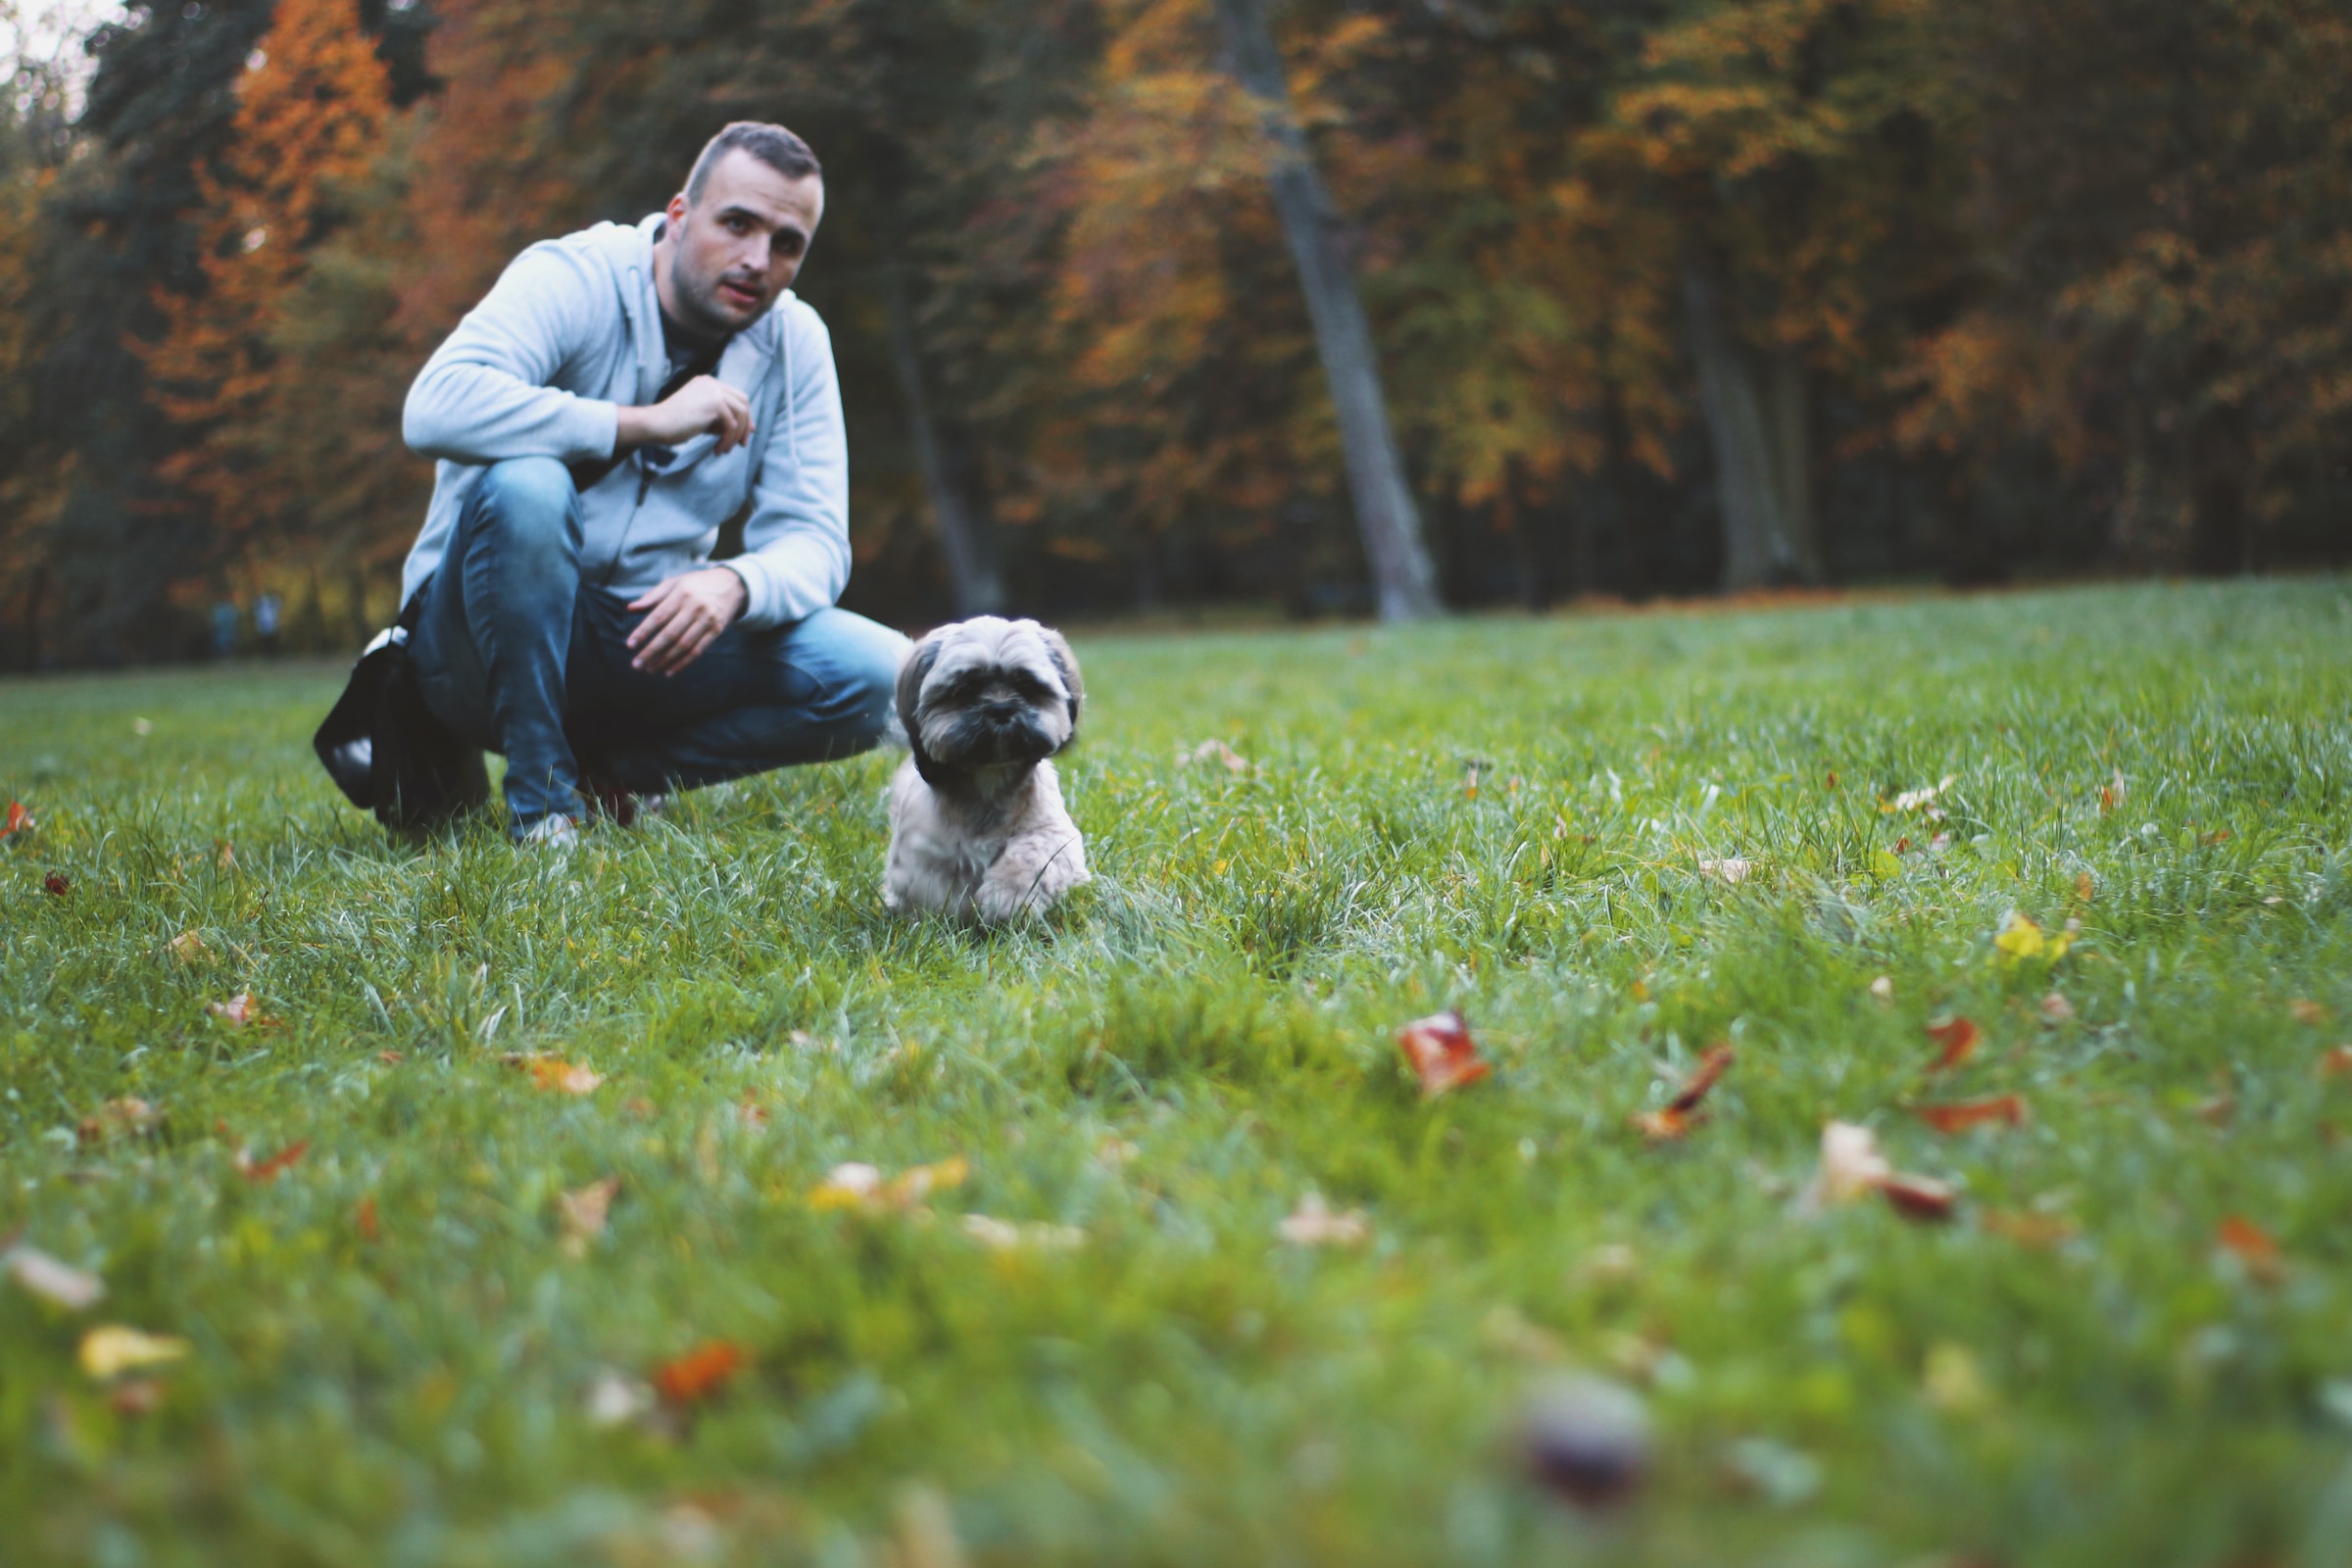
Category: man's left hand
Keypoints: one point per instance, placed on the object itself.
(682, 616)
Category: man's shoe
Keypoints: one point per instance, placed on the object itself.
(553, 831)
(622, 807)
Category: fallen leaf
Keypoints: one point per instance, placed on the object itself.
(1882, 990)
(614, 1399)
(55, 885)
(1315, 1223)
(1913, 800)
(112, 1350)
(1959, 1116)
(390, 1059)
(2028, 1229)
(52, 1281)
(582, 1211)
(1440, 1050)
(2021, 941)
(1830, 780)
(128, 1117)
(915, 1183)
(1004, 1236)
(135, 1396)
(268, 1170)
(2219, 1111)
(225, 856)
(2057, 1009)
(1676, 1118)
(236, 1010)
(751, 1115)
(363, 1218)
(856, 1185)
(1958, 1037)
(701, 1372)
(1918, 1198)
(1213, 751)
(2335, 1061)
(1850, 1162)
(1731, 871)
(189, 947)
(2307, 1011)
(2083, 887)
(2251, 1245)
(849, 1185)
(20, 821)
(553, 1072)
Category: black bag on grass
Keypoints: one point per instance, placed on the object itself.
(388, 752)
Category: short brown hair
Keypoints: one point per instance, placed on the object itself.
(779, 149)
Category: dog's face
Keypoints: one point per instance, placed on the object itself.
(988, 694)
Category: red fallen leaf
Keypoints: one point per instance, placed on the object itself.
(1961, 1116)
(55, 884)
(701, 1372)
(2336, 1063)
(2028, 1229)
(363, 1218)
(553, 1072)
(1831, 782)
(1958, 1037)
(1676, 1118)
(19, 819)
(268, 1170)
(2252, 1246)
(1441, 1051)
(1919, 1197)
(2084, 888)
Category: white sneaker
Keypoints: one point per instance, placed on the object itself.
(553, 831)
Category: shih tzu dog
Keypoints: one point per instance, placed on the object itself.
(977, 827)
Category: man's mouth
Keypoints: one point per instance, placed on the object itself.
(741, 295)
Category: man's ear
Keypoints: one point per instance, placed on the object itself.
(1058, 648)
(911, 675)
(676, 212)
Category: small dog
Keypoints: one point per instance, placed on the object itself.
(977, 827)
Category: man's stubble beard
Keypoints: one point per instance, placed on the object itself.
(698, 297)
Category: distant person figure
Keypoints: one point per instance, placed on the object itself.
(617, 396)
(265, 623)
(224, 628)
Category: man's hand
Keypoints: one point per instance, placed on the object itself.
(682, 616)
(703, 404)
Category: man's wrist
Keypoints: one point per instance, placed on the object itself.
(742, 580)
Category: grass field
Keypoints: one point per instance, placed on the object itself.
(405, 1345)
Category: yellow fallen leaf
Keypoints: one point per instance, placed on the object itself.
(2021, 941)
(856, 1185)
(112, 1349)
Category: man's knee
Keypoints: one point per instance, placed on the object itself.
(860, 661)
(532, 504)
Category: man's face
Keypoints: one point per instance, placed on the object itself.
(740, 245)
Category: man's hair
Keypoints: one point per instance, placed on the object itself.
(779, 149)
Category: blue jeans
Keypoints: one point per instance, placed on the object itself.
(518, 655)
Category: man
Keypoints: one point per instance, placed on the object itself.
(619, 395)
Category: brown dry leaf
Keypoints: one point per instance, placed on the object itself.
(582, 1212)
(225, 854)
(2028, 1229)
(189, 947)
(553, 1072)
(2219, 1111)
(55, 885)
(1213, 751)
(1315, 1223)
(2335, 1062)
(1958, 1116)
(268, 1170)
(1679, 1116)
(915, 1183)
(237, 1011)
(54, 1282)
(1958, 1037)
(2307, 1012)
(128, 1117)
(2083, 886)
(2251, 1245)
(701, 1372)
(1919, 1197)
(1440, 1050)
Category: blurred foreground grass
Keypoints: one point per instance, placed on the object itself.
(394, 1354)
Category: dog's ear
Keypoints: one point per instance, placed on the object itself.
(1058, 648)
(911, 674)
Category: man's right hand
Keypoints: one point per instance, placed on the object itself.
(703, 404)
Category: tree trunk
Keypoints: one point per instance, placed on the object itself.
(972, 576)
(1385, 514)
(1789, 405)
(2218, 538)
(1755, 549)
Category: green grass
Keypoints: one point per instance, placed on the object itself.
(1181, 1388)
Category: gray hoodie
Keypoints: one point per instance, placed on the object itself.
(571, 331)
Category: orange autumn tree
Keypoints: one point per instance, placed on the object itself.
(311, 116)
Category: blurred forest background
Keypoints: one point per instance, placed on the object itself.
(1329, 306)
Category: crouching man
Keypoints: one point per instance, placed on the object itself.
(619, 396)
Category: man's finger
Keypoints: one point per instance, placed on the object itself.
(657, 594)
(656, 627)
(659, 653)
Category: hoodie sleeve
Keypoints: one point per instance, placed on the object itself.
(795, 556)
(485, 394)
